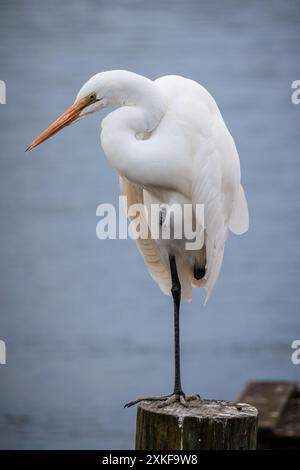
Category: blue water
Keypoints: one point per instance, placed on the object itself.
(85, 327)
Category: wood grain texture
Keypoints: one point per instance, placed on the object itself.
(203, 425)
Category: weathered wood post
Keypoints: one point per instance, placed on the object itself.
(203, 425)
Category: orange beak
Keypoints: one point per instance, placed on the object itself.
(69, 116)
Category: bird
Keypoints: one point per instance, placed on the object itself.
(168, 142)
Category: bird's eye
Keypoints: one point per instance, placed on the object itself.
(92, 96)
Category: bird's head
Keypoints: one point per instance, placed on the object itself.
(96, 94)
(105, 89)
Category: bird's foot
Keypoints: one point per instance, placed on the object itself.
(166, 400)
(181, 398)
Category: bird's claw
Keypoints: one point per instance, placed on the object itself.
(167, 400)
(181, 398)
(138, 400)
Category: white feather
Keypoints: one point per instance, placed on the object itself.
(168, 142)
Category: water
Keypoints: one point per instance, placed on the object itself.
(85, 327)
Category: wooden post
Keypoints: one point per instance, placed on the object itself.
(203, 425)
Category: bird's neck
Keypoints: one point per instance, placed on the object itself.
(140, 110)
(140, 100)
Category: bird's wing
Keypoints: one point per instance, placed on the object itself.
(215, 164)
(216, 184)
(147, 246)
(239, 218)
(206, 189)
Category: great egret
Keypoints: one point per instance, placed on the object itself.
(169, 143)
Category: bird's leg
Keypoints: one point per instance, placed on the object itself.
(176, 294)
(178, 395)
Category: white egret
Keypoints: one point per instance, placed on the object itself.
(169, 144)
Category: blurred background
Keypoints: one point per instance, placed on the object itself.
(85, 327)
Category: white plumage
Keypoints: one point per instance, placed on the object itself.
(189, 154)
(169, 143)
